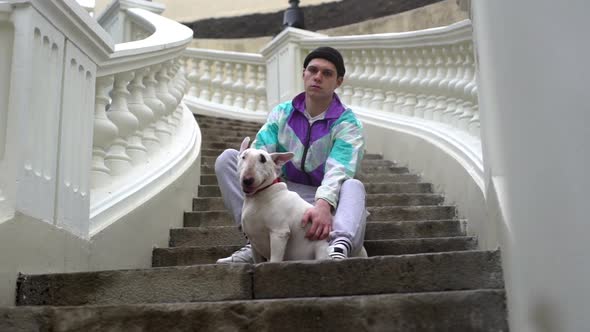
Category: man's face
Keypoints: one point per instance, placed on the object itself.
(320, 78)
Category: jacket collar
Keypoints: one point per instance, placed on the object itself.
(334, 110)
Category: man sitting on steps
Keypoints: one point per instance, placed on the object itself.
(327, 140)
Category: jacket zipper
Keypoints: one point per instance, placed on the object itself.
(310, 126)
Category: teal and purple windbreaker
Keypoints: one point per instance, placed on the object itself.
(326, 152)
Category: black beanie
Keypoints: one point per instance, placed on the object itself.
(327, 53)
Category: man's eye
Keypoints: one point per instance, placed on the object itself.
(312, 70)
(327, 73)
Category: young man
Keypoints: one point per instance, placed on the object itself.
(327, 140)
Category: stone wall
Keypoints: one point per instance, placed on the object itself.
(438, 14)
(317, 17)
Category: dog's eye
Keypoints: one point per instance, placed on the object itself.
(262, 158)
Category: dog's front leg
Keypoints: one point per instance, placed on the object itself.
(278, 243)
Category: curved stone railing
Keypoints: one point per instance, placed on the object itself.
(112, 129)
(144, 130)
(227, 82)
(426, 74)
(96, 146)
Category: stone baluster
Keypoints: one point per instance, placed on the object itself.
(400, 94)
(193, 78)
(182, 82)
(144, 139)
(448, 85)
(392, 70)
(250, 88)
(379, 78)
(376, 102)
(163, 93)
(118, 158)
(176, 88)
(227, 84)
(261, 89)
(459, 88)
(441, 98)
(161, 128)
(353, 79)
(205, 81)
(346, 87)
(104, 133)
(367, 91)
(474, 125)
(238, 87)
(422, 83)
(415, 62)
(215, 85)
(433, 83)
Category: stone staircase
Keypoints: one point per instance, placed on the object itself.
(423, 273)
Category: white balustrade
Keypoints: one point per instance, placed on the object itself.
(118, 159)
(261, 90)
(104, 133)
(226, 81)
(160, 126)
(395, 73)
(145, 137)
(163, 93)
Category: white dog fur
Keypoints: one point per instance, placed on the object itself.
(271, 215)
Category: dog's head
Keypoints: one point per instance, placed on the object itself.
(258, 169)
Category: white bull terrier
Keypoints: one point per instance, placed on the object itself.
(271, 215)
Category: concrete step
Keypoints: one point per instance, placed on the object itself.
(209, 191)
(371, 188)
(217, 282)
(365, 169)
(211, 152)
(230, 235)
(379, 169)
(373, 156)
(398, 188)
(216, 203)
(190, 255)
(481, 310)
(229, 133)
(400, 213)
(220, 145)
(210, 160)
(209, 179)
(377, 213)
(210, 121)
(376, 162)
(390, 178)
(204, 125)
(225, 139)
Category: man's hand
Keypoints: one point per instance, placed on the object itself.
(320, 217)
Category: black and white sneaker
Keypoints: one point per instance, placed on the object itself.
(339, 249)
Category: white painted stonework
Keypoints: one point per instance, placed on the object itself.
(92, 134)
(97, 141)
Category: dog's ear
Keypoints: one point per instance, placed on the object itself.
(280, 158)
(245, 143)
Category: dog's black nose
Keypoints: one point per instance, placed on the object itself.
(248, 181)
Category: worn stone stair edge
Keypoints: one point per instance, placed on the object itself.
(471, 310)
(384, 274)
(229, 234)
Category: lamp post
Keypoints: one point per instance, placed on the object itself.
(293, 16)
